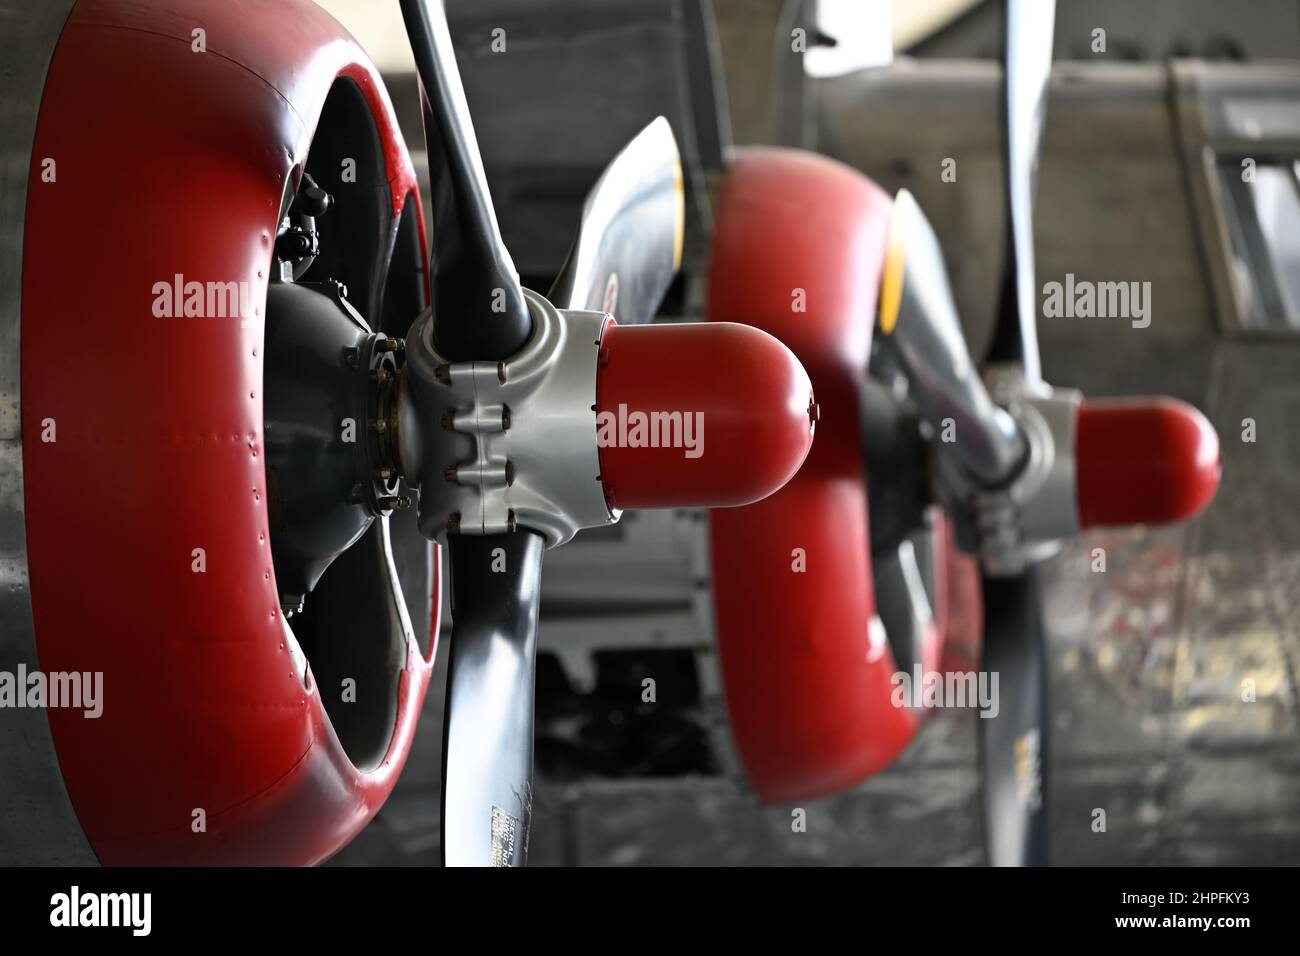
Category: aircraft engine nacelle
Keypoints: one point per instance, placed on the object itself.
(169, 141)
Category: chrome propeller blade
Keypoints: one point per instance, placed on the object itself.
(918, 319)
(1027, 67)
(487, 761)
(629, 241)
(478, 305)
(1014, 745)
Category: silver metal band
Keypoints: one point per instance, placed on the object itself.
(511, 443)
(1024, 521)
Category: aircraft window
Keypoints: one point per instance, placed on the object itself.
(1263, 212)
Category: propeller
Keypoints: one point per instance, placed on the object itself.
(487, 746)
(478, 313)
(514, 414)
(1014, 744)
(1034, 467)
(487, 751)
(923, 336)
(477, 300)
(1027, 66)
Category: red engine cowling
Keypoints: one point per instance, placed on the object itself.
(798, 252)
(174, 129)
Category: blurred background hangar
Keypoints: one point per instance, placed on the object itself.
(1150, 124)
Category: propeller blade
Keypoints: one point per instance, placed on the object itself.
(1014, 744)
(487, 748)
(904, 607)
(921, 330)
(479, 309)
(1028, 65)
(629, 241)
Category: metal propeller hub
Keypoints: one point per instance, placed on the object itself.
(497, 445)
(1023, 520)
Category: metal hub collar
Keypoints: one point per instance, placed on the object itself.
(1024, 521)
(496, 445)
